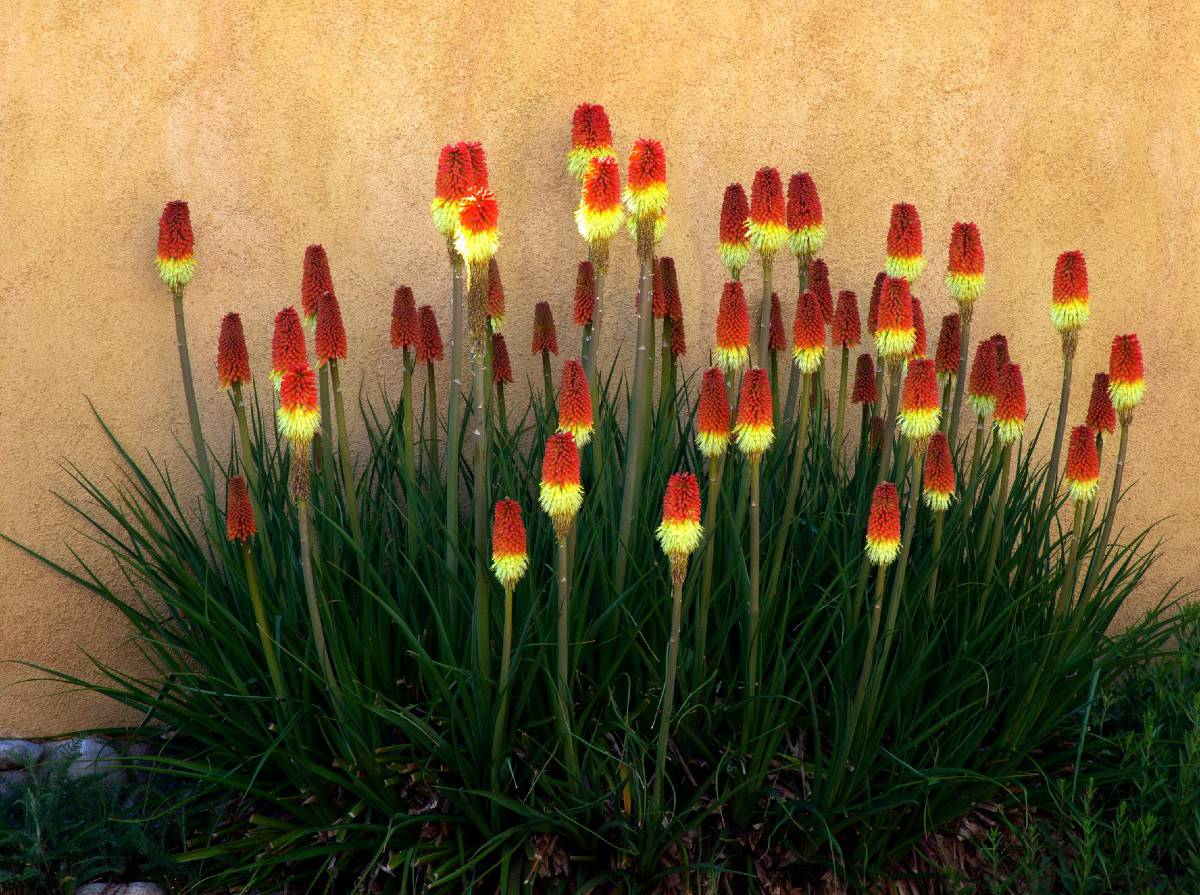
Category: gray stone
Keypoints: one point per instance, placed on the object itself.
(18, 754)
(10, 780)
(120, 889)
(86, 757)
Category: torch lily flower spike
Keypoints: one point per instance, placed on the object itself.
(754, 429)
(766, 223)
(233, 360)
(561, 492)
(905, 250)
(404, 319)
(732, 350)
(1126, 376)
(455, 181)
(712, 415)
(805, 221)
(298, 415)
(964, 273)
(895, 331)
(510, 557)
(734, 243)
(175, 257)
(808, 334)
(883, 525)
(1069, 301)
(948, 353)
(864, 391)
(288, 349)
(599, 215)
(920, 413)
(495, 298)
(1101, 415)
(591, 138)
(315, 281)
(1083, 464)
(575, 403)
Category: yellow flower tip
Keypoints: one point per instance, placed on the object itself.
(176, 272)
(938, 501)
(1009, 431)
(754, 440)
(298, 424)
(561, 501)
(445, 215)
(983, 405)
(767, 237)
(731, 360)
(581, 432)
(905, 268)
(509, 568)
(679, 537)
(479, 246)
(895, 342)
(1126, 395)
(596, 226)
(648, 201)
(965, 288)
(735, 257)
(882, 551)
(808, 360)
(660, 226)
(1083, 489)
(917, 424)
(497, 323)
(807, 241)
(580, 157)
(1070, 315)
(712, 444)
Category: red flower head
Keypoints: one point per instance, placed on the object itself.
(404, 319)
(314, 282)
(455, 180)
(983, 386)
(575, 403)
(777, 337)
(766, 224)
(233, 360)
(921, 342)
(330, 339)
(939, 473)
(876, 436)
(920, 413)
(658, 298)
(501, 365)
(561, 494)
(808, 334)
(1083, 464)
(672, 305)
(864, 391)
(585, 293)
(298, 415)
(1002, 357)
(873, 306)
(1010, 406)
(288, 351)
(818, 285)
(599, 214)
(755, 428)
(479, 168)
(1126, 376)
(545, 336)
(429, 344)
(478, 233)
(847, 327)
(1069, 301)
(1101, 414)
(712, 414)
(495, 299)
(732, 351)
(734, 243)
(239, 512)
(883, 525)
(805, 222)
(680, 530)
(678, 339)
(510, 556)
(905, 256)
(964, 277)
(591, 137)
(895, 331)
(646, 193)
(949, 348)
(175, 257)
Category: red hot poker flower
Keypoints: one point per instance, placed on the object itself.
(1126, 376)
(501, 365)
(905, 251)
(298, 415)
(672, 305)
(895, 331)
(678, 339)
(239, 512)
(864, 391)
(575, 403)
(766, 224)
(510, 555)
(732, 351)
(920, 413)
(1000, 341)
(585, 294)
(808, 334)
(233, 360)
(646, 193)
(545, 336)
(883, 525)
(495, 299)
(455, 181)
(478, 234)
(680, 530)
(1010, 406)
(330, 339)
(315, 281)
(479, 168)
(1083, 464)
(939, 473)
(847, 327)
(734, 243)
(404, 319)
(818, 285)
(949, 348)
(288, 350)
(805, 221)
(983, 386)
(175, 257)
(599, 214)
(755, 428)
(964, 277)
(429, 346)
(1101, 414)
(873, 307)
(777, 337)
(591, 137)
(712, 414)
(921, 342)
(1069, 300)
(561, 493)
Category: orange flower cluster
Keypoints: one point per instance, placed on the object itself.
(495, 297)
(1101, 415)
(949, 348)
(754, 429)
(847, 326)
(1010, 406)
(646, 193)
(233, 360)
(298, 415)
(766, 225)
(575, 403)
(818, 285)
(429, 345)
(805, 222)
(510, 556)
(599, 214)
(983, 386)
(545, 335)
(964, 276)
(175, 257)
(939, 474)
(777, 336)
(712, 414)
(680, 531)
(455, 181)
(864, 391)
(404, 319)
(920, 338)
(561, 492)
(591, 138)
(734, 243)
(502, 373)
(315, 281)
(329, 342)
(808, 334)
(478, 235)
(905, 250)
(895, 332)
(1069, 299)
(1126, 376)
(239, 512)
(920, 413)
(732, 351)
(585, 294)
(288, 349)
(883, 525)
(873, 305)
(1083, 464)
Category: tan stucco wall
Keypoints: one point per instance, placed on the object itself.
(1054, 125)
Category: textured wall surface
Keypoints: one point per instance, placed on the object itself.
(1053, 125)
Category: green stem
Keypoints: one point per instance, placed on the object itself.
(998, 522)
(976, 451)
(327, 434)
(938, 519)
(889, 422)
(347, 466)
(755, 549)
(716, 466)
(592, 378)
(431, 416)
(960, 382)
(260, 620)
(1090, 582)
(310, 589)
(409, 411)
(480, 499)
(1090, 516)
(454, 414)
(764, 313)
(189, 394)
(794, 377)
(1064, 400)
(789, 503)
(502, 407)
(239, 409)
(1068, 587)
(841, 407)
(860, 692)
(668, 689)
(562, 676)
(502, 711)
(945, 403)
(548, 385)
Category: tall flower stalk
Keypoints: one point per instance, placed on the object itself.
(965, 281)
(502, 375)
(315, 281)
(430, 352)
(1069, 311)
(1010, 426)
(510, 561)
(939, 490)
(679, 535)
(865, 394)
(1102, 419)
(330, 344)
(1082, 477)
(847, 334)
(766, 226)
(895, 338)
(545, 343)
(646, 200)
(712, 440)
(947, 360)
(806, 235)
(982, 392)
(240, 527)
(404, 337)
